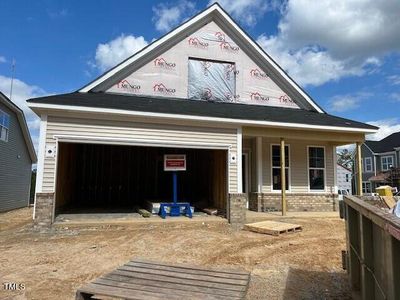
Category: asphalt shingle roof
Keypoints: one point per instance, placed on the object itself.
(199, 108)
(385, 145)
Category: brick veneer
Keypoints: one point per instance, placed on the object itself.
(262, 202)
(43, 210)
(237, 210)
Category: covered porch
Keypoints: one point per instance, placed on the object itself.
(292, 169)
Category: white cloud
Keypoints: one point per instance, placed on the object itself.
(341, 103)
(349, 147)
(386, 127)
(112, 53)
(308, 65)
(2, 59)
(56, 14)
(395, 96)
(394, 79)
(329, 39)
(345, 27)
(167, 16)
(247, 12)
(21, 92)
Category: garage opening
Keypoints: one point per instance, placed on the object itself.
(97, 178)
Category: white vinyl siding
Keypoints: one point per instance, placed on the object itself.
(298, 166)
(137, 131)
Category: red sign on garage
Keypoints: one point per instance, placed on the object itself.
(174, 162)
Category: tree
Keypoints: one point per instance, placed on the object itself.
(345, 158)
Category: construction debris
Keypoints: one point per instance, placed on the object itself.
(144, 213)
(211, 211)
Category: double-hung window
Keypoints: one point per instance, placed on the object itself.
(316, 168)
(386, 162)
(276, 168)
(368, 164)
(4, 126)
(366, 187)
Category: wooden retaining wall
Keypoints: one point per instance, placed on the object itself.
(372, 258)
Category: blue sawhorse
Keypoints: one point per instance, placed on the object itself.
(175, 207)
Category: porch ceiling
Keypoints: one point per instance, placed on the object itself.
(334, 138)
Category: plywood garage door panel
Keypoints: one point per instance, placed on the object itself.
(137, 131)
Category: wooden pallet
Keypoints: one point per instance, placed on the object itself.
(272, 227)
(142, 279)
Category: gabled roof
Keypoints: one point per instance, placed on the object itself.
(176, 108)
(220, 16)
(22, 123)
(385, 145)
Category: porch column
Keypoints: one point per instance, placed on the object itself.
(283, 177)
(259, 163)
(239, 142)
(359, 169)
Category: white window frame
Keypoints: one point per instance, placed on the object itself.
(347, 176)
(7, 128)
(366, 164)
(308, 169)
(387, 163)
(288, 184)
(364, 187)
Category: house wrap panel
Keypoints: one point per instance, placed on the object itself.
(134, 130)
(167, 75)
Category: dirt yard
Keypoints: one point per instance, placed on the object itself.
(305, 265)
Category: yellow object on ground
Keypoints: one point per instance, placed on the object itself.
(384, 190)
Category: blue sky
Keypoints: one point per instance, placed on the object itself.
(345, 54)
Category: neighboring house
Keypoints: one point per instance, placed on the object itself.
(17, 155)
(344, 179)
(206, 90)
(381, 163)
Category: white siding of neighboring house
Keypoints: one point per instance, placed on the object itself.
(342, 182)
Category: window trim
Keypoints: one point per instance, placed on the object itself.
(385, 157)
(365, 164)
(308, 169)
(364, 190)
(7, 128)
(289, 184)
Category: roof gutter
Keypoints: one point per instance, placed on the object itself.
(40, 106)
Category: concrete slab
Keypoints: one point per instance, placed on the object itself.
(130, 219)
